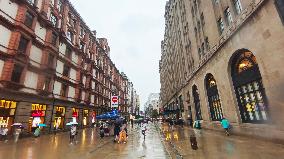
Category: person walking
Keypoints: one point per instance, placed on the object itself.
(116, 131)
(4, 134)
(102, 132)
(17, 133)
(37, 132)
(171, 123)
(226, 125)
(192, 139)
(72, 133)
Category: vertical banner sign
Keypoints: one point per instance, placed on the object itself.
(114, 101)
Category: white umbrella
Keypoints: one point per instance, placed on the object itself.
(17, 124)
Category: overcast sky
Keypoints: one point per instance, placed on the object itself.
(134, 29)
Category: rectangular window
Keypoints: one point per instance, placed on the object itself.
(54, 38)
(17, 73)
(53, 19)
(46, 84)
(63, 92)
(82, 46)
(220, 25)
(216, 1)
(29, 19)
(280, 8)
(31, 2)
(68, 52)
(23, 44)
(207, 45)
(66, 71)
(59, 5)
(238, 6)
(50, 60)
(228, 16)
(70, 36)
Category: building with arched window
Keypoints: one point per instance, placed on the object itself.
(239, 75)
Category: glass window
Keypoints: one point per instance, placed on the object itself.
(50, 60)
(53, 19)
(63, 90)
(66, 70)
(31, 2)
(29, 19)
(213, 98)
(70, 36)
(59, 5)
(54, 38)
(207, 45)
(228, 16)
(238, 6)
(17, 73)
(249, 89)
(68, 53)
(46, 84)
(202, 19)
(196, 102)
(23, 44)
(220, 25)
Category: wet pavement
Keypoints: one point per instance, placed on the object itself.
(89, 146)
(215, 145)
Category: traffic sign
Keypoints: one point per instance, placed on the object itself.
(114, 101)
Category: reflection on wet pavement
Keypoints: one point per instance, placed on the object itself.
(212, 145)
(89, 146)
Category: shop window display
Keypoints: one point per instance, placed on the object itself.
(37, 116)
(85, 117)
(59, 117)
(7, 113)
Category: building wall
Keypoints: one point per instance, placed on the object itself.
(257, 30)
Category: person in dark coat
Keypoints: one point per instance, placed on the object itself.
(116, 131)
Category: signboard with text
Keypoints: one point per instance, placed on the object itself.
(114, 101)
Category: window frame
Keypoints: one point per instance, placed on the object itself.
(23, 41)
(17, 73)
(221, 26)
(29, 19)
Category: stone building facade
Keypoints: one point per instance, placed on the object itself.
(223, 58)
(53, 68)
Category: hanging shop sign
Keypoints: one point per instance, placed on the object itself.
(38, 110)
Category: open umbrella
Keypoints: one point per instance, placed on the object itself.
(43, 125)
(17, 124)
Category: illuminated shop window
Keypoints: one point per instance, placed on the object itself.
(249, 89)
(215, 108)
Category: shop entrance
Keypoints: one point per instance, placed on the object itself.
(37, 116)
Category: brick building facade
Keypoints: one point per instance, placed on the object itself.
(53, 68)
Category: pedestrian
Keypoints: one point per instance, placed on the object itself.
(171, 123)
(131, 121)
(72, 133)
(102, 132)
(226, 125)
(116, 131)
(197, 124)
(144, 129)
(17, 133)
(37, 132)
(5, 134)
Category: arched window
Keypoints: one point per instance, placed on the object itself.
(249, 89)
(213, 98)
(196, 101)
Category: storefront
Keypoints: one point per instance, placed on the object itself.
(37, 116)
(75, 114)
(85, 117)
(59, 117)
(7, 113)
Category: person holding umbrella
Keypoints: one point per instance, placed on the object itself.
(17, 131)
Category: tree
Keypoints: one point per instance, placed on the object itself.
(154, 113)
